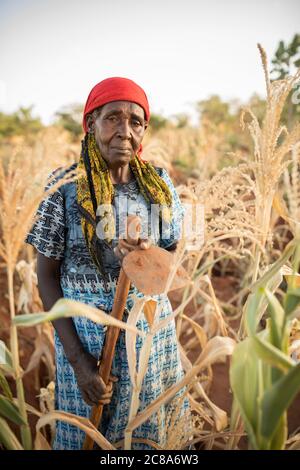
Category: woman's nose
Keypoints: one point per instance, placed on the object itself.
(124, 129)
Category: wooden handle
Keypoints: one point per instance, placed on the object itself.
(111, 338)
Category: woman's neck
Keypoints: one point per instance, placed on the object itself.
(121, 174)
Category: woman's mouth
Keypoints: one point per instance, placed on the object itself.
(122, 150)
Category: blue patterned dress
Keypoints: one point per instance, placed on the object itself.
(57, 234)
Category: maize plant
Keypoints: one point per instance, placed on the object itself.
(264, 378)
(8, 408)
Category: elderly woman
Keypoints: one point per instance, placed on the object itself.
(77, 261)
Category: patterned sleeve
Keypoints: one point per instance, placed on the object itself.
(47, 234)
(171, 233)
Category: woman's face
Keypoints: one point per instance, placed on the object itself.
(119, 130)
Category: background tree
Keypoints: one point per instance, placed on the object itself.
(70, 118)
(215, 110)
(285, 60)
(157, 122)
(181, 120)
(21, 122)
(286, 57)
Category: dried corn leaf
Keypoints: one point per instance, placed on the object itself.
(215, 349)
(199, 331)
(65, 308)
(219, 415)
(130, 336)
(83, 423)
(149, 311)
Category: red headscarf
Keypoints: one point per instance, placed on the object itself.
(115, 89)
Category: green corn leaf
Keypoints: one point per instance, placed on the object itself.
(244, 384)
(257, 303)
(291, 300)
(288, 251)
(280, 435)
(295, 292)
(10, 411)
(5, 387)
(271, 355)
(277, 399)
(252, 311)
(277, 319)
(7, 437)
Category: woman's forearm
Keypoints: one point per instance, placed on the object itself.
(69, 338)
(64, 327)
(83, 363)
(50, 291)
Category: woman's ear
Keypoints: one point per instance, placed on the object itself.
(90, 123)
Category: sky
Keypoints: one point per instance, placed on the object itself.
(52, 52)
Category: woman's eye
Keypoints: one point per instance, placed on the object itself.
(137, 123)
(112, 118)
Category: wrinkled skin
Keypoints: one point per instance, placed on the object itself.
(91, 385)
(119, 128)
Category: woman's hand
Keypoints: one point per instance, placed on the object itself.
(93, 389)
(125, 246)
(132, 241)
